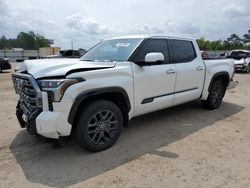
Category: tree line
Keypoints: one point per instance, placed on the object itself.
(26, 41)
(231, 43)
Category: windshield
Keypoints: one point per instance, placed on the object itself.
(112, 50)
(239, 54)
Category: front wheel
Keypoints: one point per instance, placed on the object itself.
(99, 125)
(215, 96)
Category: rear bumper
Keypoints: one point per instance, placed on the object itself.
(232, 85)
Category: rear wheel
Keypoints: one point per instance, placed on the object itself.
(1, 70)
(215, 96)
(99, 125)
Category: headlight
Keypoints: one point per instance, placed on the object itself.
(56, 87)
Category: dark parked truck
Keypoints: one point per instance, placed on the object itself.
(4, 64)
(93, 97)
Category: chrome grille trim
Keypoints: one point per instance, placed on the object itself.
(29, 92)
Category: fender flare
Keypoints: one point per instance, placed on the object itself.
(224, 73)
(89, 93)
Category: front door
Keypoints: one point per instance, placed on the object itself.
(153, 84)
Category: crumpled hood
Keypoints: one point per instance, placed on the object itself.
(60, 67)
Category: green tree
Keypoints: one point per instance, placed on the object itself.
(41, 41)
(4, 43)
(246, 39)
(204, 44)
(217, 45)
(27, 41)
(235, 42)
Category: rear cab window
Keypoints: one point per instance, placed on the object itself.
(183, 51)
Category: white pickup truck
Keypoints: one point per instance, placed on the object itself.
(93, 97)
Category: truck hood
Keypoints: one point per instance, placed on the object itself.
(60, 67)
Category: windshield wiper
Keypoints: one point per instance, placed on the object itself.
(98, 60)
(87, 60)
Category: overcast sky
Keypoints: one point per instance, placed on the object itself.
(87, 22)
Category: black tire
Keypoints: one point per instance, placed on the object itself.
(215, 96)
(99, 125)
(1, 70)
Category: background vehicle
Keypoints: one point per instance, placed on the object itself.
(94, 97)
(4, 64)
(66, 54)
(241, 59)
(204, 55)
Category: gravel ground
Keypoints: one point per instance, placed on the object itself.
(184, 146)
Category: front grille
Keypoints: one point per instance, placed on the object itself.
(28, 91)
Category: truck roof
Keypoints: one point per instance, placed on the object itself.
(150, 36)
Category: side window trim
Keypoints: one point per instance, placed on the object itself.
(171, 51)
(172, 55)
(168, 51)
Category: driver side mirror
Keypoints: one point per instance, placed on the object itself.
(154, 57)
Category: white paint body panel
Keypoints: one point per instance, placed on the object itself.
(213, 67)
(150, 81)
(139, 82)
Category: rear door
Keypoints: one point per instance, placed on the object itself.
(153, 84)
(190, 70)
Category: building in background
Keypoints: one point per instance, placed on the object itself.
(19, 55)
(48, 51)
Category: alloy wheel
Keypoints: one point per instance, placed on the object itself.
(217, 94)
(102, 127)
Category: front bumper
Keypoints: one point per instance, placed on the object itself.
(27, 119)
(50, 124)
(34, 110)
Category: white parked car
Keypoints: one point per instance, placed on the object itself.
(120, 78)
(241, 60)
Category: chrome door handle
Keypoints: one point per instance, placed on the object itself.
(199, 68)
(170, 71)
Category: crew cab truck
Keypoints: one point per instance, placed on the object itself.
(94, 97)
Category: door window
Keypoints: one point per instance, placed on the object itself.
(183, 51)
(153, 45)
